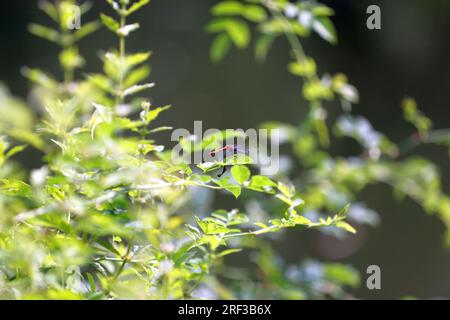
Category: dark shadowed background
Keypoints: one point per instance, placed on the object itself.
(409, 56)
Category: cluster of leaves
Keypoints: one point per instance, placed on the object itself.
(108, 214)
(328, 182)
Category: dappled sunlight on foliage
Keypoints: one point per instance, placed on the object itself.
(110, 215)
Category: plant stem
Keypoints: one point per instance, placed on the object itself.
(252, 233)
(125, 260)
(415, 140)
(295, 43)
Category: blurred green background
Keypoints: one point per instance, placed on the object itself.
(409, 56)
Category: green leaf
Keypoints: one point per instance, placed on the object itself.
(240, 173)
(137, 88)
(44, 32)
(49, 8)
(237, 30)
(220, 47)
(136, 6)
(91, 281)
(322, 10)
(239, 33)
(277, 26)
(343, 212)
(261, 225)
(102, 82)
(101, 114)
(325, 29)
(237, 159)
(126, 30)
(16, 188)
(208, 166)
(137, 58)
(114, 5)
(414, 116)
(105, 244)
(287, 190)
(227, 8)
(254, 13)
(276, 222)
(86, 29)
(149, 115)
(342, 274)
(262, 46)
(137, 75)
(233, 188)
(304, 68)
(109, 22)
(210, 226)
(285, 199)
(261, 183)
(217, 25)
(14, 150)
(70, 59)
(302, 221)
(159, 129)
(344, 225)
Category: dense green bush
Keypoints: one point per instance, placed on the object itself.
(109, 215)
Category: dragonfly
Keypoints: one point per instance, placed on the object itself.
(227, 151)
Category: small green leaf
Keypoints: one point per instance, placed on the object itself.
(210, 226)
(302, 220)
(276, 222)
(137, 88)
(137, 75)
(261, 183)
(343, 212)
(109, 22)
(285, 199)
(149, 115)
(239, 33)
(16, 188)
(44, 32)
(114, 5)
(233, 188)
(240, 173)
(137, 58)
(49, 8)
(220, 47)
(136, 6)
(86, 30)
(325, 29)
(304, 68)
(14, 150)
(105, 244)
(322, 10)
(237, 30)
(254, 13)
(342, 274)
(91, 281)
(227, 8)
(261, 225)
(126, 30)
(344, 225)
(262, 46)
(287, 190)
(208, 166)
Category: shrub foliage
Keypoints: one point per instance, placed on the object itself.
(107, 214)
